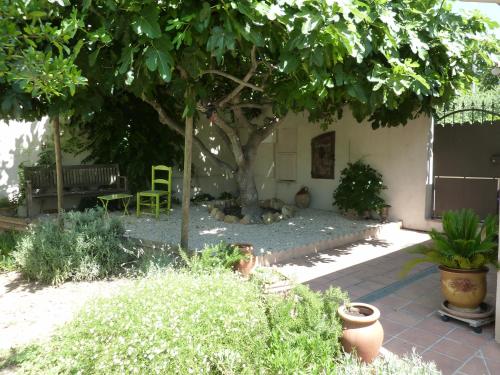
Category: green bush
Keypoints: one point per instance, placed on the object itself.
(179, 322)
(89, 247)
(221, 255)
(7, 246)
(359, 188)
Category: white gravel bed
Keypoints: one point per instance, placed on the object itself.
(308, 226)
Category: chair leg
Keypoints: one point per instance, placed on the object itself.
(169, 197)
(157, 206)
(138, 209)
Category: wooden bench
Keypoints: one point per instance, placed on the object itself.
(78, 180)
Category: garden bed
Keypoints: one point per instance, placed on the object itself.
(309, 231)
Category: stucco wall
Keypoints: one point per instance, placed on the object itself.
(401, 154)
(19, 142)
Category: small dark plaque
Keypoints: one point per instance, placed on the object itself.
(323, 156)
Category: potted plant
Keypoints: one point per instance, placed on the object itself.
(242, 258)
(463, 250)
(359, 190)
(362, 331)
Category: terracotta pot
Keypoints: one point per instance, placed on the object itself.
(362, 333)
(303, 198)
(384, 214)
(465, 289)
(245, 267)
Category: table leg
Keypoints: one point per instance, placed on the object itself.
(105, 205)
(126, 202)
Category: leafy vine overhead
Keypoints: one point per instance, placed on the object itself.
(245, 64)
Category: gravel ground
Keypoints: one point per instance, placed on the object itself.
(308, 226)
(30, 311)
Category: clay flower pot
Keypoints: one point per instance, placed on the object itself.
(245, 267)
(362, 333)
(465, 289)
(303, 198)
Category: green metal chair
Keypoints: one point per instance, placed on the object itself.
(154, 197)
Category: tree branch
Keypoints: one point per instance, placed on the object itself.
(172, 124)
(233, 78)
(233, 136)
(247, 77)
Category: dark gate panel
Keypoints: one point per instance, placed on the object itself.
(457, 193)
(466, 167)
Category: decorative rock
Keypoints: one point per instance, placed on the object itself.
(288, 211)
(210, 207)
(231, 219)
(214, 212)
(277, 217)
(220, 216)
(276, 204)
(268, 218)
(246, 220)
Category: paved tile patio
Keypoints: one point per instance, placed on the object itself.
(408, 306)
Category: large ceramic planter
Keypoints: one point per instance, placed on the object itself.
(465, 289)
(245, 267)
(362, 331)
(303, 198)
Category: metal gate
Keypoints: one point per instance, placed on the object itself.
(466, 156)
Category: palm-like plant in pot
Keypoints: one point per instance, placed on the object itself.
(463, 250)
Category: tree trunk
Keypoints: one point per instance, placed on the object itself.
(59, 174)
(248, 191)
(186, 182)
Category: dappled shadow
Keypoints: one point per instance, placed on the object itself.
(331, 255)
(15, 282)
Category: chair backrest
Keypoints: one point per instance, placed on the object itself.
(161, 181)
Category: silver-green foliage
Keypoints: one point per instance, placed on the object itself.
(89, 247)
(464, 242)
(392, 365)
(180, 322)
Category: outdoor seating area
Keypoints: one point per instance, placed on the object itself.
(250, 187)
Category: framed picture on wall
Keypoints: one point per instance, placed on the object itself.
(323, 156)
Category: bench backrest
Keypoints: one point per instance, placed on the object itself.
(73, 175)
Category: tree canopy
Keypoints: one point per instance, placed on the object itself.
(246, 64)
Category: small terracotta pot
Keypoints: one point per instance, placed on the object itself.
(465, 289)
(362, 333)
(303, 198)
(245, 267)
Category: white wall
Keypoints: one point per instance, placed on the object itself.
(401, 154)
(19, 142)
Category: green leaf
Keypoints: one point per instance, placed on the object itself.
(146, 23)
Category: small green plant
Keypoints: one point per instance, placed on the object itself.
(464, 243)
(359, 189)
(202, 197)
(8, 242)
(221, 255)
(89, 247)
(226, 195)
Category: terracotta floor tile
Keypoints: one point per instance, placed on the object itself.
(446, 364)
(493, 366)
(419, 337)
(459, 351)
(435, 325)
(401, 347)
(391, 301)
(401, 317)
(392, 328)
(475, 366)
(491, 351)
(463, 333)
(417, 309)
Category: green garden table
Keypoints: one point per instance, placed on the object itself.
(125, 198)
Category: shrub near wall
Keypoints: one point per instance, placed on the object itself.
(89, 247)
